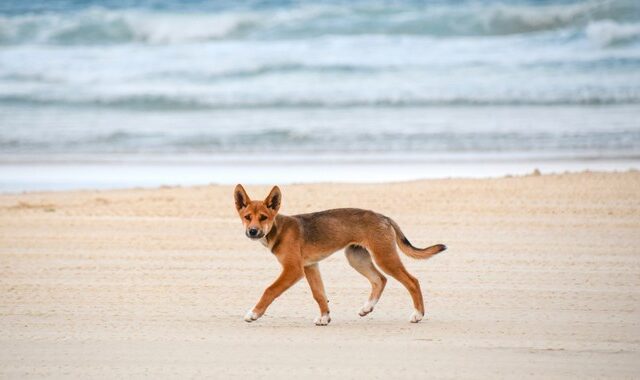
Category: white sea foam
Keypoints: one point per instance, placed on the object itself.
(608, 32)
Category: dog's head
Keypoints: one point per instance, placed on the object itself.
(257, 216)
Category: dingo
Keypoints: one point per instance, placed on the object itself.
(299, 242)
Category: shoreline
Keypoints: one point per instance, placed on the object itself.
(28, 176)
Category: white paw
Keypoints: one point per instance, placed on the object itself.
(250, 316)
(416, 316)
(322, 320)
(367, 307)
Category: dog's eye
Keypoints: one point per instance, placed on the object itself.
(247, 217)
(263, 218)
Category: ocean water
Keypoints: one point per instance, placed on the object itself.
(200, 92)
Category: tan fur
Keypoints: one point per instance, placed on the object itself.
(299, 242)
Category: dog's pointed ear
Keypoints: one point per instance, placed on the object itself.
(274, 199)
(241, 197)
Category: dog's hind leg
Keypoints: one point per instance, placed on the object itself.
(386, 257)
(312, 273)
(360, 259)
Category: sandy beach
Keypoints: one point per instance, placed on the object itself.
(541, 279)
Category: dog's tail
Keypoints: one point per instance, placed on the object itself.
(411, 251)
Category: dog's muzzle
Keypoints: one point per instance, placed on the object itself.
(254, 233)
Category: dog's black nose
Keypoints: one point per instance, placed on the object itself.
(253, 232)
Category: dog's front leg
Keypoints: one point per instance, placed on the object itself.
(291, 273)
(312, 273)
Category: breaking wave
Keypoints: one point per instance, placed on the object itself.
(611, 33)
(99, 25)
